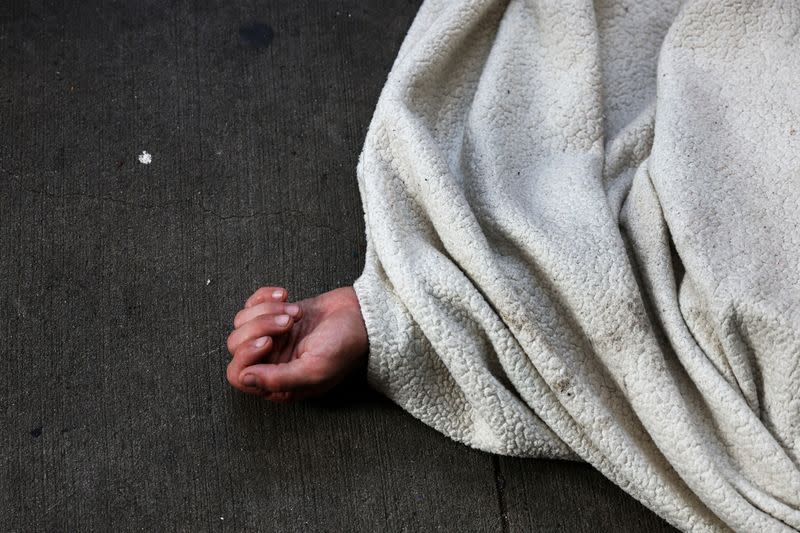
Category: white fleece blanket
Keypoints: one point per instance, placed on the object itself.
(583, 228)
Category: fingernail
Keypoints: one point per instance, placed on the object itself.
(293, 309)
(249, 380)
(259, 342)
(282, 320)
(277, 294)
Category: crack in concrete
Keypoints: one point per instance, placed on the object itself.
(197, 202)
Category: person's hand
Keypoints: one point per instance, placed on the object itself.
(283, 350)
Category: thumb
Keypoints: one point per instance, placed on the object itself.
(305, 372)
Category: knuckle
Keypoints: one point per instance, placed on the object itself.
(316, 375)
(270, 383)
(258, 294)
(241, 350)
(230, 374)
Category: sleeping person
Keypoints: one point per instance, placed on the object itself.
(583, 242)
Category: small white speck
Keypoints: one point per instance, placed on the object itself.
(222, 518)
(208, 281)
(145, 158)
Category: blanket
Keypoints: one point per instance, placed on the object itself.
(583, 226)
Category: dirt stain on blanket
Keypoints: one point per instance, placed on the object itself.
(563, 386)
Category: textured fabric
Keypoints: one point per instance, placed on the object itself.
(583, 228)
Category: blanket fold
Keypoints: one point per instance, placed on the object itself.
(583, 228)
